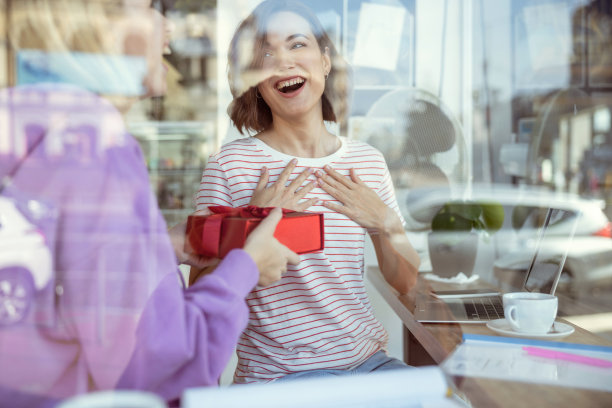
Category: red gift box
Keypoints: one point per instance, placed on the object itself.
(227, 228)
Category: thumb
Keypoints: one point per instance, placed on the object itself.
(292, 257)
(203, 211)
(268, 224)
(201, 262)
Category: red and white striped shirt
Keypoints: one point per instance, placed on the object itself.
(318, 315)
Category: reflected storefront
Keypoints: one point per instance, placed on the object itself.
(505, 102)
(556, 97)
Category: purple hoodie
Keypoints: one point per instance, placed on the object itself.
(115, 312)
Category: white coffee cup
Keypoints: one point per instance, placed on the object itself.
(532, 313)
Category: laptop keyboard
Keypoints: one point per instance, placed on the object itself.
(485, 308)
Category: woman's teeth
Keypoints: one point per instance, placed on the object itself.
(283, 85)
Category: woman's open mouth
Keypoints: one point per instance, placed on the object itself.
(291, 85)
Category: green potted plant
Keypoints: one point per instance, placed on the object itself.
(455, 233)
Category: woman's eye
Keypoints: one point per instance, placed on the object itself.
(267, 54)
(298, 45)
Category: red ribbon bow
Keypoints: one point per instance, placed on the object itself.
(248, 211)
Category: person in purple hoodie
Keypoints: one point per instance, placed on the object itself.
(91, 297)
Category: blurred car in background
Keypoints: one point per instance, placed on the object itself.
(505, 256)
(25, 263)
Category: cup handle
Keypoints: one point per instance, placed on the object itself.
(511, 318)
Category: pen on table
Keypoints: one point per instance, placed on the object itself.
(559, 355)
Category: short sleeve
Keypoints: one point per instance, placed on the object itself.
(214, 187)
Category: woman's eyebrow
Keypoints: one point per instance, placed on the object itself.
(294, 36)
(288, 39)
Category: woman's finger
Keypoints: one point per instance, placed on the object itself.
(306, 204)
(355, 177)
(203, 211)
(299, 180)
(200, 261)
(336, 207)
(301, 193)
(332, 187)
(284, 176)
(337, 176)
(264, 177)
(292, 257)
(268, 224)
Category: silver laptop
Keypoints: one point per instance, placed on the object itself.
(542, 276)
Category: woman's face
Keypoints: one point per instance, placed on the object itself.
(295, 64)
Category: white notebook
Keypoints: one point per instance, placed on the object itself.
(411, 387)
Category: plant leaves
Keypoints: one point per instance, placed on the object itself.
(493, 216)
(450, 222)
(465, 216)
(466, 210)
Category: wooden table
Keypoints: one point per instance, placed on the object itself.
(431, 343)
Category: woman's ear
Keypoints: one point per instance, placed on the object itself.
(326, 61)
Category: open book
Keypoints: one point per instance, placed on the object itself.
(413, 387)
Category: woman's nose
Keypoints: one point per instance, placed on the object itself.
(284, 60)
(169, 27)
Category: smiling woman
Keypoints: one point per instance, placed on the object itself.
(291, 49)
(287, 80)
(261, 42)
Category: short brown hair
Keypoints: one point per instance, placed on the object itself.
(248, 111)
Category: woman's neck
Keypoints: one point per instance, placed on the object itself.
(301, 139)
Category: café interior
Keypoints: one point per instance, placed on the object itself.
(502, 108)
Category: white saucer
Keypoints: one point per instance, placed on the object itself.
(558, 330)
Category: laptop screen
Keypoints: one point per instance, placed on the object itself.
(554, 241)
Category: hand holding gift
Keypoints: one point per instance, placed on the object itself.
(182, 249)
(270, 255)
(271, 242)
(226, 228)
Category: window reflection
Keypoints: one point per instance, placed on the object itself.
(526, 87)
(556, 105)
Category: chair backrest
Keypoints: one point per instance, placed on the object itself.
(420, 138)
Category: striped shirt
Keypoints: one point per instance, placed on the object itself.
(318, 315)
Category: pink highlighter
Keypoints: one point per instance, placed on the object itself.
(559, 355)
